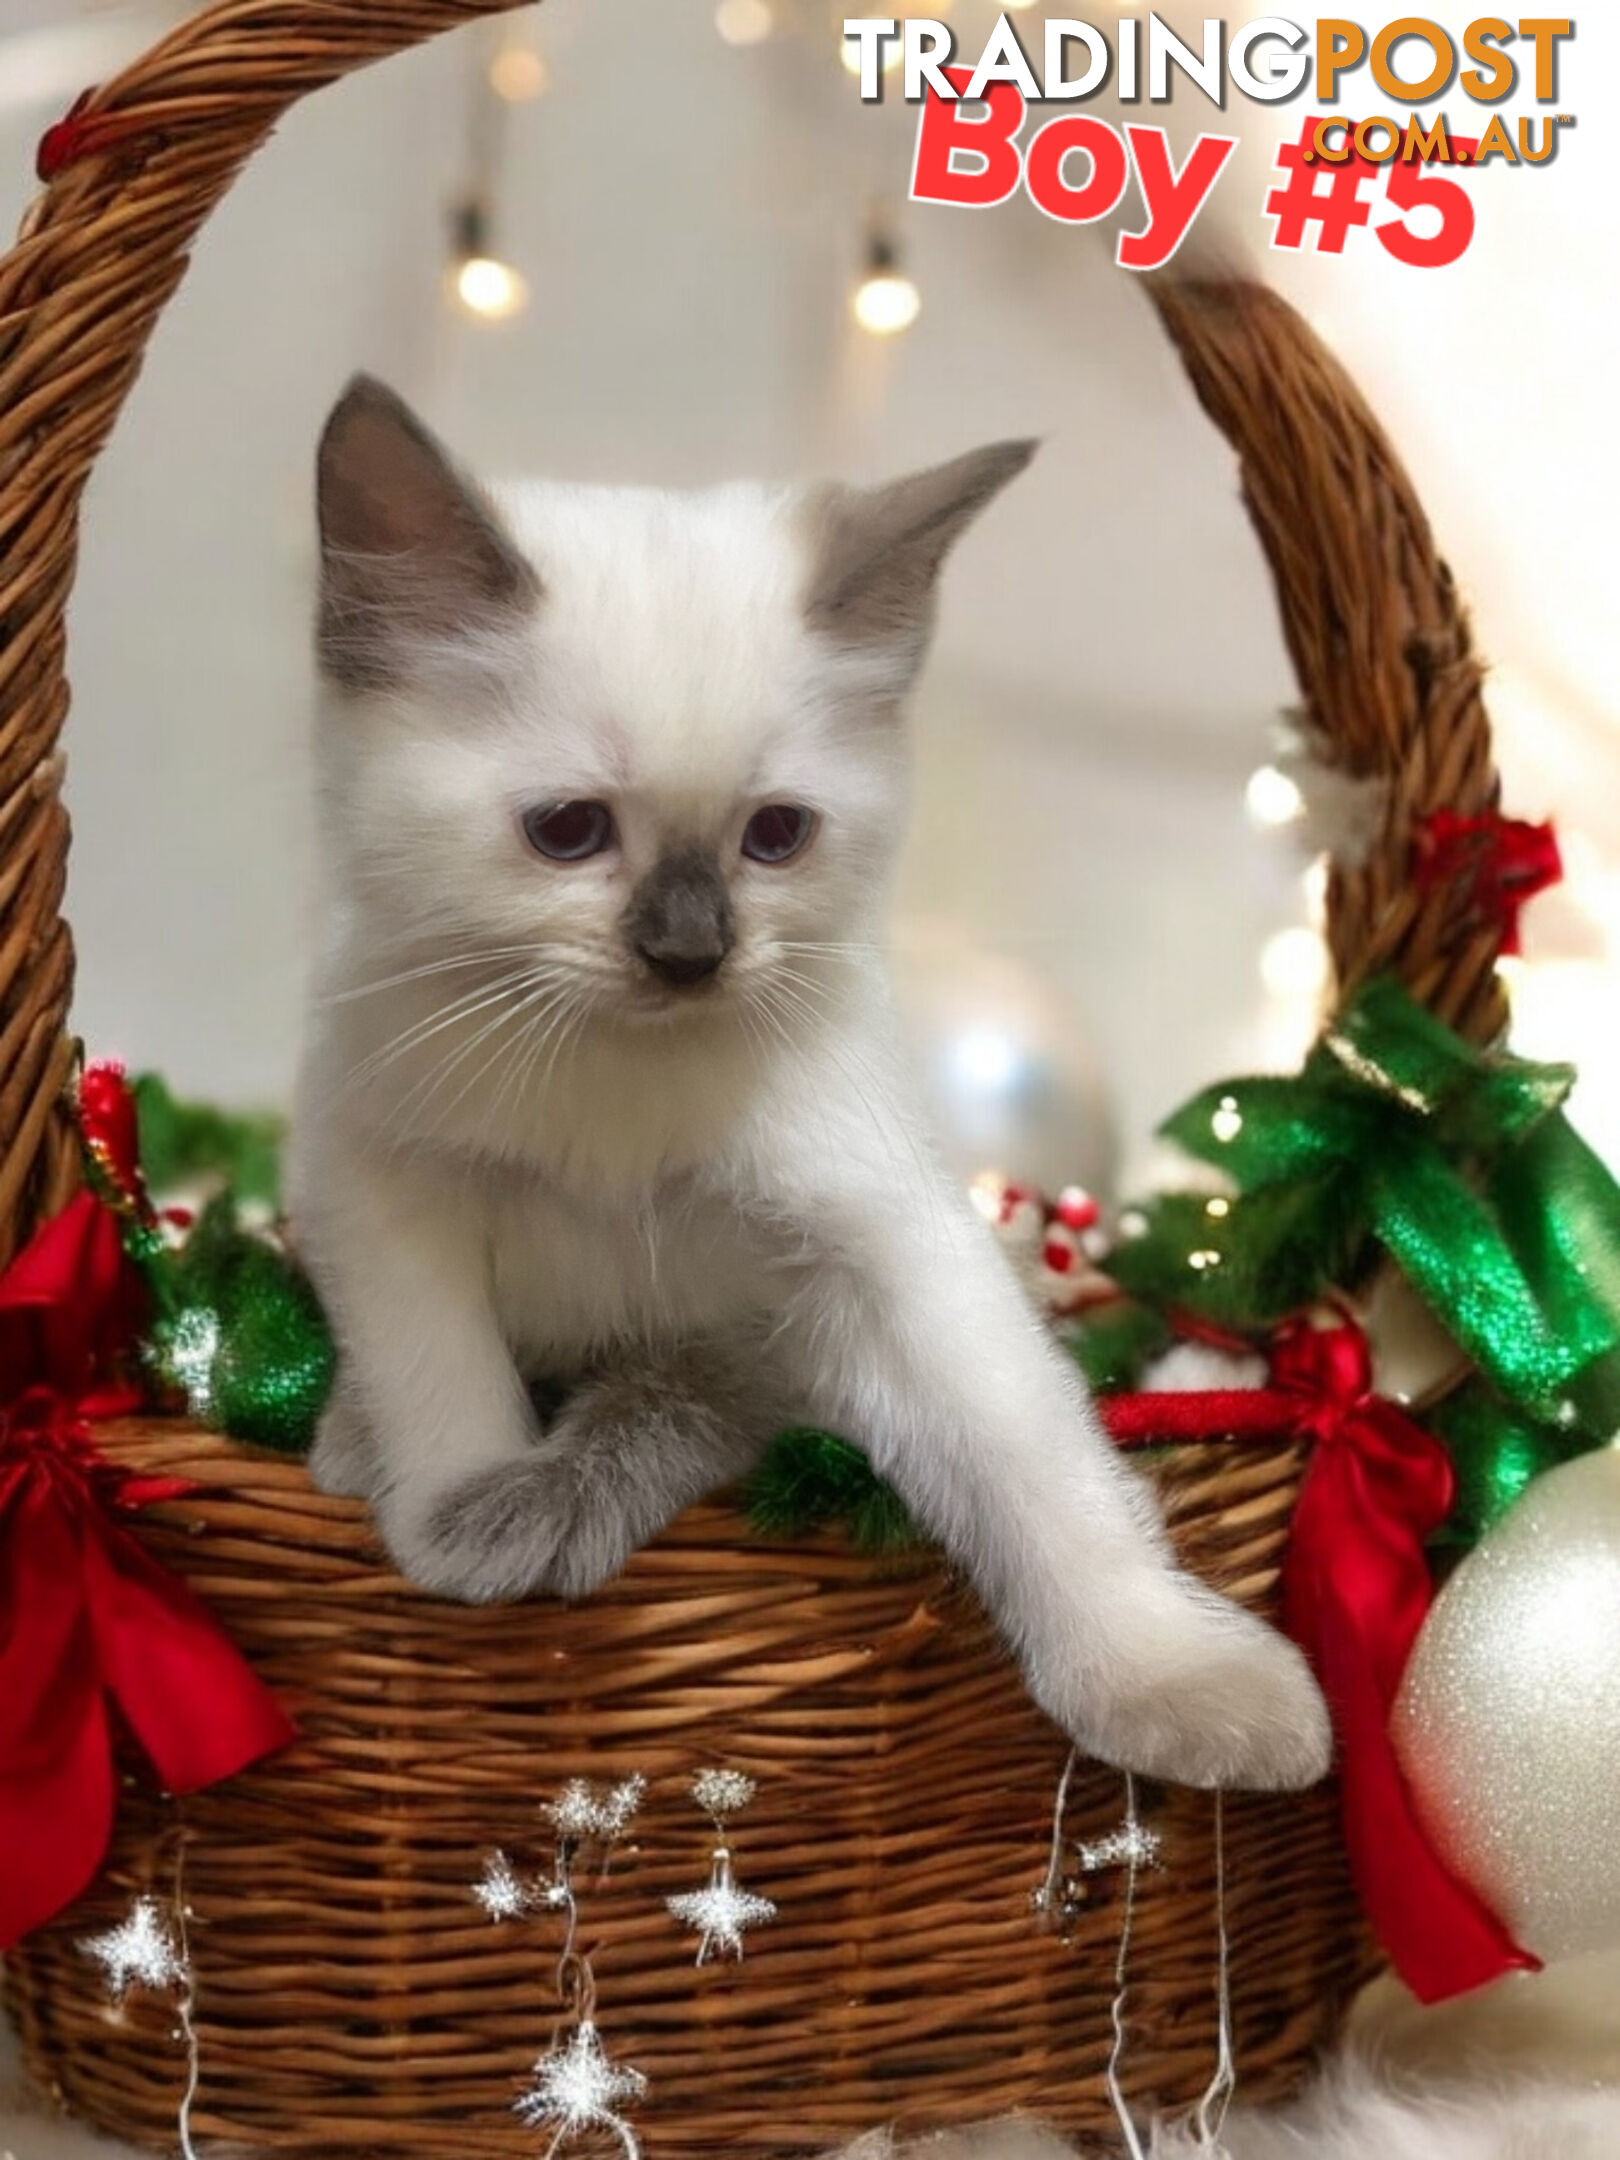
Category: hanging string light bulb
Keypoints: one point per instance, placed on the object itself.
(480, 282)
(886, 301)
(517, 72)
(1273, 797)
(486, 287)
(744, 22)
(890, 53)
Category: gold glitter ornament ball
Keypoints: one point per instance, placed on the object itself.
(1508, 1720)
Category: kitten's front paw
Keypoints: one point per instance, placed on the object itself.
(489, 1539)
(345, 1460)
(1216, 1698)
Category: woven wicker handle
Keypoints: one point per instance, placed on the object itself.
(1379, 642)
(1389, 681)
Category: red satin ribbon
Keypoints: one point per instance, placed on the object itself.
(89, 1621)
(70, 1305)
(1356, 1590)
(1506, 860)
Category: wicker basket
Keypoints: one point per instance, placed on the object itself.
(349, 1995)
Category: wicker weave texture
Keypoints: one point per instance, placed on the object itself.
(352, 1995)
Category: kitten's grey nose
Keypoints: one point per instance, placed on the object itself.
(679, 920)
(681, 968)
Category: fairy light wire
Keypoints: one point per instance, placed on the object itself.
(1211, 2115)
(1116, 2009)
(187, 2004)
(1046, 1897)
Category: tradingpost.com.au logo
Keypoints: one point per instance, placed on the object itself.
(1076, 168)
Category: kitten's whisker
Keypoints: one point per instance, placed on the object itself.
(571, 1032)
(830, 945)
(464, 1007)
(489, 986)
(431, 967)
(414, 1103)
(378, 1061)
(889, 1126)
(756, 1044)
(774, 1013)
(807, 984)
(778, 1027)
(537, 1009)
(525, 1015)
(792, 1048)
(427, 1084)
(458, 1057)
(544, 1019)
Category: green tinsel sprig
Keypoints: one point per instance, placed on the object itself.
(809, 1479)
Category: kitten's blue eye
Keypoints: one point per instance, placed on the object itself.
(776, 833)
(568, 831)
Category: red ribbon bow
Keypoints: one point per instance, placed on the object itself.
(88, 1619)
(1356, 1590)
(1505, 860)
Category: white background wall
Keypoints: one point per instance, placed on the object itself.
(689, 216)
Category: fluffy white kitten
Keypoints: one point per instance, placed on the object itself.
(604, 1161)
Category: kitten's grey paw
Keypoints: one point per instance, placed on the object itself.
(624, 1454)
(631, 1448)
(1217, 1698)
(345, 1460)
(491, 1538)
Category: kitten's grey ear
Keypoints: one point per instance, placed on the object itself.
(876, 552)
(412, 552)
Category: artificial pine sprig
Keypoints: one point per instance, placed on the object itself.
(809, 1479)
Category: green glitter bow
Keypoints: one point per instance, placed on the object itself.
(1457, 1162)
(238, 1332)
(235, 1333)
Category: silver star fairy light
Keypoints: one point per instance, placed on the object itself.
(582, 1810)
(573, 1812)
(578, 2086)
(1132, 1845)
(139, 1952)
(500, 1891)
(721, 1793)
(720, 1914)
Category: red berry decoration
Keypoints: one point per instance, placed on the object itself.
(1076, 1209)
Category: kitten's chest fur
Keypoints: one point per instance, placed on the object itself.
(576, 1278)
